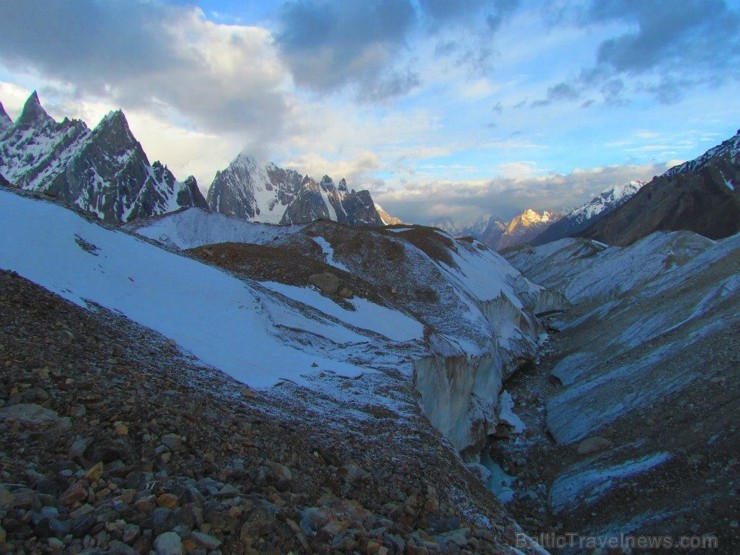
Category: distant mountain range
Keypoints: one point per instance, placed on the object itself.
(588, 214)
(270, 194)
(106, 172)
(497, 234)
(700, 195)
(103, 171)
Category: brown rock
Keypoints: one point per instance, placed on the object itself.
(327, 282)
(73, 494)
(167, 500)
(95, 472)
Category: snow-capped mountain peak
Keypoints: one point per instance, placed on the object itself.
(525, 227)
(587, 214)
(104, 171)
(729, 148)
(270, 194)
(528, 218)
(607, 200)
(700, 195)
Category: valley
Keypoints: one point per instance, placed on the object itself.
(273, 368)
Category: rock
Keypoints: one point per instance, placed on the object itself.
(6, 498)
(313, 519)
(172, 441)
(457, 537)
(353, 473)
(85, 509)
(163, 520)
(95, 472)
(327, 282)
(334, 528)
(346, 293)
(119, 548)
(593, 444)
(79, 447)
(82, 525)
(145, 504)
(168, 543)
(66, 337)
(25, 498)
(206, 540)
(55, 544)
(167, 500)
(30, 415)
(130, 533)
(228, 491)
(120, 428)
(75, 493)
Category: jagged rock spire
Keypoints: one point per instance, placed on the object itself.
(33, 113)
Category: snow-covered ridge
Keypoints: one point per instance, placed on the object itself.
(195, 227)
(607, 200)
(242, 328)
(729, 148)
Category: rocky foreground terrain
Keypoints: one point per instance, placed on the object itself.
(113, 442)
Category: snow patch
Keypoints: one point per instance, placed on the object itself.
(506, 413)
(329, 253)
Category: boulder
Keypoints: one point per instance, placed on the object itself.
(34, 416)
(327, 282)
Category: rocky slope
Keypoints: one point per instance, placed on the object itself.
(271, 194)
(701, 195)
(385, 217)
(638, 393)
(588, 214)
(128, 447)
(104, 171)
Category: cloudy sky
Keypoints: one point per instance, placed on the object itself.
(439, 107)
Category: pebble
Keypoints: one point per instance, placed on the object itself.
(95, 472)
(167, 500)
(168, 543)
(206, 540)
(72, 495)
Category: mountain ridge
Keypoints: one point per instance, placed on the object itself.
(700, 195)
(270, 194)
(587, 214)
(104, 171)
